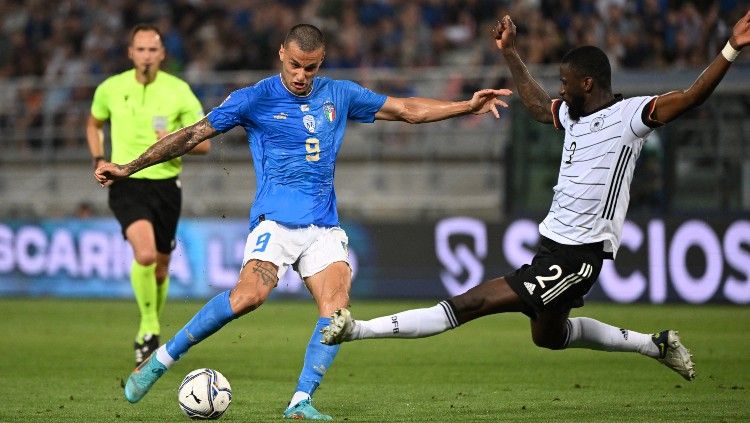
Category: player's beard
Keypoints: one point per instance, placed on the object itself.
(575, 107)
(146, 70)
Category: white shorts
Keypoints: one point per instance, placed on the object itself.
(309, 249)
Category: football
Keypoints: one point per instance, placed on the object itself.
(204, 394)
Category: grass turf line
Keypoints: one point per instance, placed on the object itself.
(64, 360)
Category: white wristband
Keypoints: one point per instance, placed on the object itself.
(729, 52)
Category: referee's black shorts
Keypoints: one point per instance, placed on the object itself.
(558, 276)
(157, 200)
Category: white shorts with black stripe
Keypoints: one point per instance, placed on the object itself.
(558, 276)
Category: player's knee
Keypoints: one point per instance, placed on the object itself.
(245, 302)
(548, 342)
(145, 257)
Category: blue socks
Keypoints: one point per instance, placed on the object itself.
(218, 312)
(318, 358)
(213, 316)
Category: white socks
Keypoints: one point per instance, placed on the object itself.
(298, 397)
(584, 332)
(417, 323)
(163, 356)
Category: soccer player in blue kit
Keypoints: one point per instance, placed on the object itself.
(295, 123)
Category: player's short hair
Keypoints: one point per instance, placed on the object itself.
(145, 27)
(308, 37)
(590, 61)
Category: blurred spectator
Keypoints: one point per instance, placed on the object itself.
(70, 41)
(28, 121)
(38, 36)
(84, 210)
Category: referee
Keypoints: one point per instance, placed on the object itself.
(142, 105)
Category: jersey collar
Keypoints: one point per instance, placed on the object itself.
(616, 99)
(312, 88)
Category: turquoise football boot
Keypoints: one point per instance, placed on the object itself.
(143, 378)
(304, 410)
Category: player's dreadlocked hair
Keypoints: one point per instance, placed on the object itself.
(307, 36)
(590, 61)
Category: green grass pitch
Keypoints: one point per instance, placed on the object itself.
(64, 360)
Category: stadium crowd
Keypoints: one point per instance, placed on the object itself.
(69, 38)
(65, 43)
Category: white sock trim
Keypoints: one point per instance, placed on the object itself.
(163, 356)
(298, 397)
(449, 313)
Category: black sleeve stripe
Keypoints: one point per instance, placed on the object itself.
(555, 109)
(647, 113)
(632, 118)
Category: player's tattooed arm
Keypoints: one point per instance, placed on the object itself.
(170, 146)
(533, 95)
(173, 145)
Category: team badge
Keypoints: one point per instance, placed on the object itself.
(597, 124)
(309, 122)
(329, 111)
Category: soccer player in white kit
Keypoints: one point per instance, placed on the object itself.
(604, 134)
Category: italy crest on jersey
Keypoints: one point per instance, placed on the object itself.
(329, 111)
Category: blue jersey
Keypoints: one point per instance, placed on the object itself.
(294, 141)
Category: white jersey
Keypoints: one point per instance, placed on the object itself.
(597, 165)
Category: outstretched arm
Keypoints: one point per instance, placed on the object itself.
(671, 105)
(172, 145)
(422, 110)
(534, 97)
(201, 149)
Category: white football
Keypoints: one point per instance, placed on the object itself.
(204, 394)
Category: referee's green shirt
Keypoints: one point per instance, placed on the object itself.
(137, 111)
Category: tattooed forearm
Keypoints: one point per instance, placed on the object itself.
(266, 273)
(534, 97)
(173, 145)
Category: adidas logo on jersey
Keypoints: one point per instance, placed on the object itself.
(529, 287)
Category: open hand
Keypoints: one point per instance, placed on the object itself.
(505, 33)
(108, 172)
(484, 101)
(741, 32)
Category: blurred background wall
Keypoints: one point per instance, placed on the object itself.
(52, 56)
